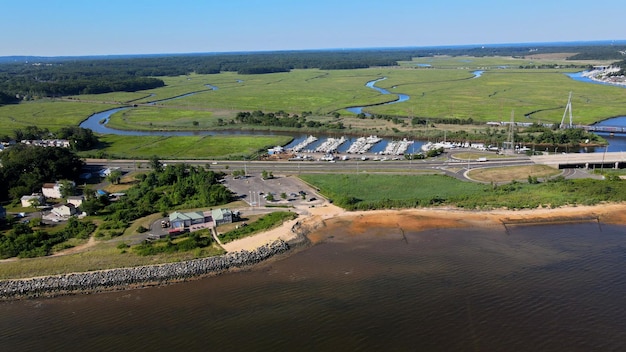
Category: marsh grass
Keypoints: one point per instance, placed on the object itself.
(446, 90)
(187, 147)
(46, 113)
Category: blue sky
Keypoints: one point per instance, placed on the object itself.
(111, 27)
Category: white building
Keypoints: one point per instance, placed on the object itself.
(53, 190)
(77, 201)
(64, 210)
(33, 199)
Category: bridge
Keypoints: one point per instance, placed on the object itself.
(610, 160)
(607, 129)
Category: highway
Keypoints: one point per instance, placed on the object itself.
(440, 165)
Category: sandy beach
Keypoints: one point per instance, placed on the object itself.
(428, 218)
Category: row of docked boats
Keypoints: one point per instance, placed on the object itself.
(397, 147)
(330, 145)
(300, 146)
(363, 144)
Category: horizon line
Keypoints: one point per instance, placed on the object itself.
(443, 46)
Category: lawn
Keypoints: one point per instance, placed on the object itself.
(375, 189)
(508, 174)
(364, 192)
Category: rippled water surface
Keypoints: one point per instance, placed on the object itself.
(548, 288)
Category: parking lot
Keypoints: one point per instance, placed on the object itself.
(255, 190)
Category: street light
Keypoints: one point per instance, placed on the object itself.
(603, 155)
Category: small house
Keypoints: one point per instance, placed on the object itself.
(53, 190)
(180, 220)
(64, 210)
(222, 216)
(34, 199)
(77, 201)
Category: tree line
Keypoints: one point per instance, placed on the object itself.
(26, 168)
(23, 241)
(283, 119)
(78, 137)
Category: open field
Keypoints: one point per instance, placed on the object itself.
(376, 187)
(446, 89)
(46, 114)
(494, 95)
(104, 255)
(187, 147)
(370, 191)
(508, 174)
(149, 118)
(497, 62)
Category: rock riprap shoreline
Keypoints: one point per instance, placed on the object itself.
(133, 277)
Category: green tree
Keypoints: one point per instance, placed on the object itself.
(115, 176)
(156, 164)
(68, 188)
(26, 168)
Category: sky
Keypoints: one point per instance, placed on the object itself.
(120, 27)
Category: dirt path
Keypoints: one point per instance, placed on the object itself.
(76, 249)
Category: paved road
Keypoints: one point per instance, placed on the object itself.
(438, 165)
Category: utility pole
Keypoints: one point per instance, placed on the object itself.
(568, 107)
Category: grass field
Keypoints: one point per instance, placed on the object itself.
(363, 192)
(46, 113)
(446, 89)
(150, 118)
(508, 174)
(101, 256)
(188, 147)
(375, 187)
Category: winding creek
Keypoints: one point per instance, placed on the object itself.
(98, 122)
